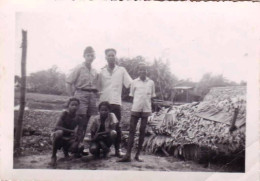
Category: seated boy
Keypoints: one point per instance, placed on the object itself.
(102, 130)
(142, 90)
(67, 132)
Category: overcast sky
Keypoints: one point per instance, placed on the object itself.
(222, 38)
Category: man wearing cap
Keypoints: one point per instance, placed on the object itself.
(82, 84)
(111, 81)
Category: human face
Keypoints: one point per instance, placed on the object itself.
(142, 72)
(73, 106)
(89, 57)
(111, 57)
(103, 112)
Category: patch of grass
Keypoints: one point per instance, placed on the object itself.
(46, 98)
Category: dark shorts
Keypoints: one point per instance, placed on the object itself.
(88, 102)
(66, 142)
(141, 114)
(105, 138)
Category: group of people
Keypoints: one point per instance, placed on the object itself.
(85, 86)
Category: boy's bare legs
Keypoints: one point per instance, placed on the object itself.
(133, 123)
(141, 138)
(57, 135)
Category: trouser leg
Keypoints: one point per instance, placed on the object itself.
(84, 111)
(94, 149)
(133, 123)
(118, 137)
(116, 109)
(141, 135)
(83, 126)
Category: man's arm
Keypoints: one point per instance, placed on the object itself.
(132, 90)
(153, 91)
(99, 84)
(127, 80)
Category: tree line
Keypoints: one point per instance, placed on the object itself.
(52, 81)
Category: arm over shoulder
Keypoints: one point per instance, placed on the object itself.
(126, 78)
(132, 89)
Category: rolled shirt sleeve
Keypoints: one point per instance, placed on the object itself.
(73, 75)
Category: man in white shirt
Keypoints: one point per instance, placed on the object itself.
(143, 91)
(111, 81)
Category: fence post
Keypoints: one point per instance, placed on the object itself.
(18, 132)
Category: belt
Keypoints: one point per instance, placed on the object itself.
(88, 90)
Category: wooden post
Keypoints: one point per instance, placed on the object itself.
(19, 128)
(233, 121)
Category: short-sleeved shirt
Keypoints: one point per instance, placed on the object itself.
(68, 121)
(142, 92)
(109, 124)
(111, 84)
(83, 78)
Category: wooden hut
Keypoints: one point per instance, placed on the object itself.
(182, 94)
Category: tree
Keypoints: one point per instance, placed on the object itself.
(208, 81)
(47, 81)
(243, 83)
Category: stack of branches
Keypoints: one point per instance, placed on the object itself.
(197, 124)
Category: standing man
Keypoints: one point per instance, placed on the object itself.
(82, 84)
(111, 81)
(143, 91)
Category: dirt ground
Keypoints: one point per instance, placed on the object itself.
(151, 162)
(37, 150)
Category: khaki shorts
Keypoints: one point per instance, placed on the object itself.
(88, 102)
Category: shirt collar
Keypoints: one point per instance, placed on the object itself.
(99, 119)
(146, 79)
(85, 67)
(115, 68)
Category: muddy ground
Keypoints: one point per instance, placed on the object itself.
(36, 149)
(151, 163)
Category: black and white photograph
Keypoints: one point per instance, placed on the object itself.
(154, 88)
